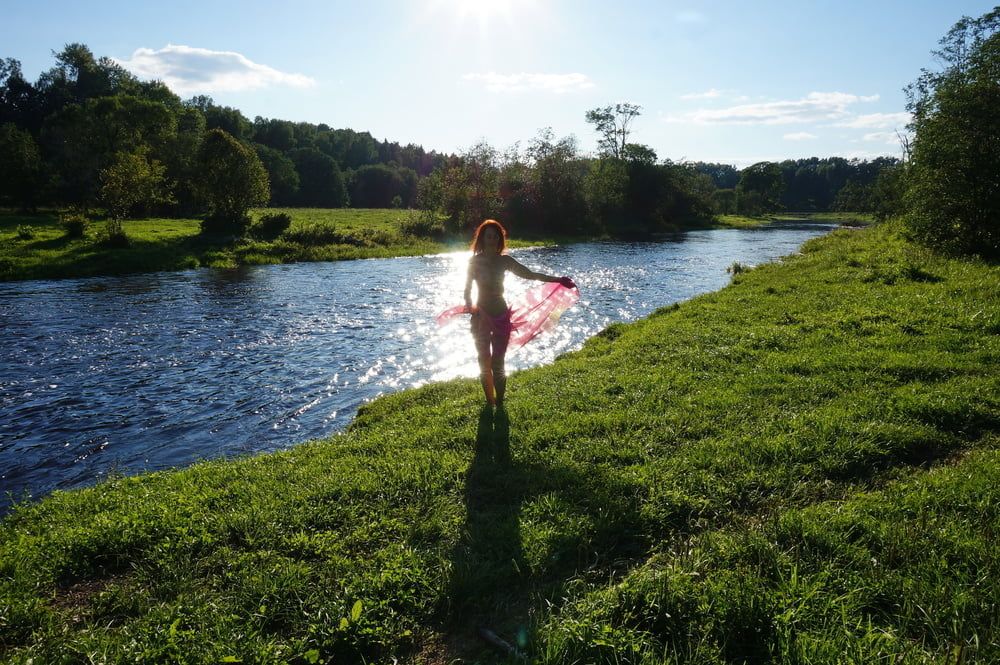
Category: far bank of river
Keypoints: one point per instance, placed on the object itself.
(124, 374)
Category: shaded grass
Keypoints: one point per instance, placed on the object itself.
(800, 467)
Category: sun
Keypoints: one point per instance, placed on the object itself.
(483, 12)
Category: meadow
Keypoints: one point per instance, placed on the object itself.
(802, 467)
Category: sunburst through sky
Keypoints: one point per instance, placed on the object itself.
(486, 14)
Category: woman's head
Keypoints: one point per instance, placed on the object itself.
(490, 238)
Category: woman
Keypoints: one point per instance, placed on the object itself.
(491, 317)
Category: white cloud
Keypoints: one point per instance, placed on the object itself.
(869, 154)
(877, 121)
(189, 70)
(799, 136)
(715, 93)
(711, 93)
(890, 138)
(814, 107)
(557, 83)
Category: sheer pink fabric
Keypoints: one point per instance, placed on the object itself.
(538, 311)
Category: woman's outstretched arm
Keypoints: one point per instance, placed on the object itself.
(526, 273)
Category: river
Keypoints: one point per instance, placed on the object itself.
(127, 374)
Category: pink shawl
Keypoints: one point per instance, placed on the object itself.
(538, 311)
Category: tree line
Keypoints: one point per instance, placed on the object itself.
(549, 186)
(88, 134)
(802, 185)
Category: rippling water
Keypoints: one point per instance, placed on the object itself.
(125, 374)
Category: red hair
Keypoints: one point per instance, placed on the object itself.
(477, 242)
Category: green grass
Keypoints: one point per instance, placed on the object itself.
(176, 244)
(744, 222)
(802, 467)
(852, 218)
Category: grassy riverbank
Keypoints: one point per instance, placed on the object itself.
(801, 467)
(742, 221)
(852, 218)
(36, 246)
(843, 218)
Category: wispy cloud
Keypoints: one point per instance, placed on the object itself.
(711, 93)
(799, 136)
(814, 107)
(189, 70)
(890, 138)
(523, 82)
(877, 121)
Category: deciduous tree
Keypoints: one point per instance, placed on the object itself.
(613, 125)
(20, 167)
(232, 180)
(82, 139)
(953, 181)
(320, 180)
(759, 189)
(133, 181)
(281, 174)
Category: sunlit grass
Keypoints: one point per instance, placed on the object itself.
(745, 222)
(176, 244)
(854, 218)
(742, 221)
(316, 234)
(801, 467)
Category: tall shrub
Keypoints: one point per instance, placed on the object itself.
(233, 180)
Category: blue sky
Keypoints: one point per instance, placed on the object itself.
(734, 82)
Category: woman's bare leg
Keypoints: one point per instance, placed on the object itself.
(486, 378)
(497, 366)
(482, 339)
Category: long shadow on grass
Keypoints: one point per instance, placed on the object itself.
(489, 559)
(595, 521)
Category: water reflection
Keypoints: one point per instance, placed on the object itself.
(152, 371)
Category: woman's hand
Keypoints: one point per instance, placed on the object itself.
(567, 282)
